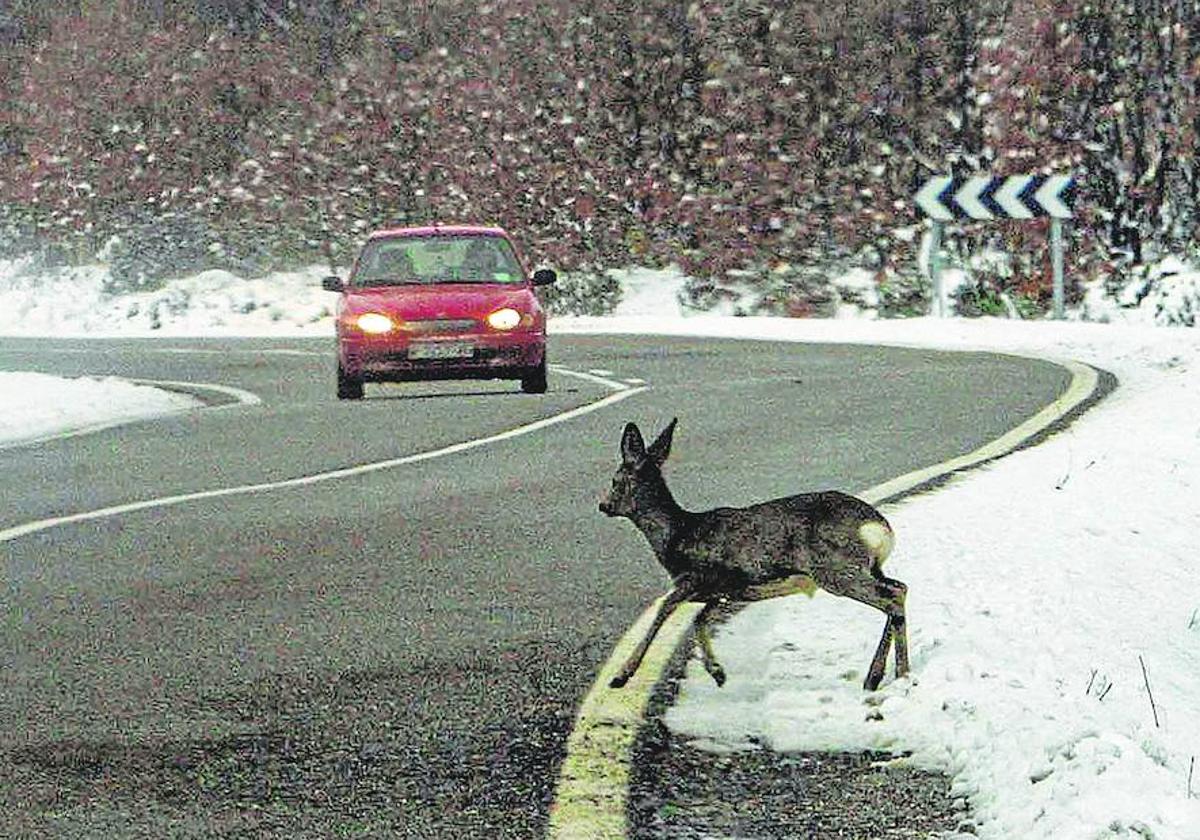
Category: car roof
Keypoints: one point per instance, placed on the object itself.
(439, 230)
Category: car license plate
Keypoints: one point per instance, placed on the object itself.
(441, 350)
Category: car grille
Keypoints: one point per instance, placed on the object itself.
(441, 326)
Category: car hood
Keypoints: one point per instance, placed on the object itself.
(441, 300)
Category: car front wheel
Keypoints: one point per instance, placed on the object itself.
(348, 388)
(534, 382)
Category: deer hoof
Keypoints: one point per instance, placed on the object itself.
(872, 681)
(718, 675)
(618, 681)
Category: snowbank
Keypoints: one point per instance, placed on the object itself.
(72, 301)
(34, 406)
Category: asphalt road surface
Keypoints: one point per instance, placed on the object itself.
(397, 651)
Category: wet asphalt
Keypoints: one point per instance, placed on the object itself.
(399, 652)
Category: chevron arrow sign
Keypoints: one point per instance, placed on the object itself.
(943, 198)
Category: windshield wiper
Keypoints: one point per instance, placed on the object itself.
(389, 281)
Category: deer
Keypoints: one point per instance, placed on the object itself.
(739, 555)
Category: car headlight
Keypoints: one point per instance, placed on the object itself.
(504, 319)
(374, 323)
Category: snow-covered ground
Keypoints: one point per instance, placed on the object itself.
(34, 406)
(1054, 606)
(72, 301)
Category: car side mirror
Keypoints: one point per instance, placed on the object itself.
(544, 277)
(332, 283)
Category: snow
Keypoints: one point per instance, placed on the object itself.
(73, 302)
(37, 406)
(1040, 586)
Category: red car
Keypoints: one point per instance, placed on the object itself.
(446, 302)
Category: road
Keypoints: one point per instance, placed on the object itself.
(400, 650)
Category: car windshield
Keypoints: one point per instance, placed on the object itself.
(403, 260)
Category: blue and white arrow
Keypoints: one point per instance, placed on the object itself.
(944, 198)
(928, 198)
(1009, 197)
(968, 197)
(1050, 196)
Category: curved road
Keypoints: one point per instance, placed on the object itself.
(398, 650)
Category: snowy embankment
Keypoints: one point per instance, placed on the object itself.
(72, 302)
(34, 406)
(1054, 610)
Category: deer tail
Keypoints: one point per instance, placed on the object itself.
(877, 536)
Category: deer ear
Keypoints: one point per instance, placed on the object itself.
(633, 448)
(661, 448)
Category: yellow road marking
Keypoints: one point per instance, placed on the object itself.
(591, 797)
(1083, 383)
(592, 785)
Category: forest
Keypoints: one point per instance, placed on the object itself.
(753, 141)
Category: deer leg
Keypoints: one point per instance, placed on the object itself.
(892, 594)
(672, 600)
(879, 660)
(899, 622)
(704, 638)
(887, 596)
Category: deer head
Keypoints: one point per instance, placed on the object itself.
(638, 485)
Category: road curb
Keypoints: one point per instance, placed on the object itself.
(212, 395)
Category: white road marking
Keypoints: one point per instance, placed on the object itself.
(600, 377)
(239, 395)
(620, 392)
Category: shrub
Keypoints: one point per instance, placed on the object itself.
(149, 251)
(586, 291)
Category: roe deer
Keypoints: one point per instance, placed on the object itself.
(794, 544)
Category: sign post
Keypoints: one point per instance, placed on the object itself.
(944, 198)
(935, 269)
(1056, 262)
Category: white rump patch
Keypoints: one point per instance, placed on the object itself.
(878, 538)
